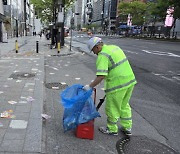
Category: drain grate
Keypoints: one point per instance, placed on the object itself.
(22, 75)
(142, 145)
(55, 86)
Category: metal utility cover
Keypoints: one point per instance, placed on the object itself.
(142, 145)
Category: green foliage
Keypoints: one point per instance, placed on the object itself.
(137, 10)
(162, 6)
(148, 12)
(44, 8)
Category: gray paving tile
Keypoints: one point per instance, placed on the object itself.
(2, 133)
(15, 134)
(5, 123)
(12, 146)
(21, 116)
(23, 108)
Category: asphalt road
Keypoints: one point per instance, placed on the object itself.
(156, 65)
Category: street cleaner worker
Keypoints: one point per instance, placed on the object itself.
(113, 67)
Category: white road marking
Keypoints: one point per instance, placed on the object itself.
(177, 78)
(161, 53)
(130, 52)
(146, 51)
(173, 77)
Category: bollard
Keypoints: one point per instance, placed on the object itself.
(37, 46)
(58, 47)
(16, 46)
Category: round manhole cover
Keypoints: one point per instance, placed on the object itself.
(22, 75)
(142, 145)
(55, 85)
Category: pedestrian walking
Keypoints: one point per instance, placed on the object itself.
(113, 67)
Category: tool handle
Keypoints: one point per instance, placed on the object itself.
(100, 102)
(94, 89)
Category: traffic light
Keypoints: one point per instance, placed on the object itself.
(4, 2)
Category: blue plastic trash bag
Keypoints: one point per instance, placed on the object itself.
(78, 106)
(88, 112)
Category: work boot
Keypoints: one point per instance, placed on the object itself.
(105, 130)
(126, 131)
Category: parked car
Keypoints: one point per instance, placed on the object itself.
(135, 30)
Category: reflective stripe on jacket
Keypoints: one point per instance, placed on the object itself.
(113, 64)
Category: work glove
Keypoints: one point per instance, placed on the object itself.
(87, 87)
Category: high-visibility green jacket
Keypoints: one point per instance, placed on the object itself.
(113, 64)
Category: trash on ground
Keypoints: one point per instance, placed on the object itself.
(12, 102)
(45, 116)
(9, 78)
(5, 86)
(7, 114)
(1, 92)
(18, 81)
(22, 102)
(30, 99)
(22, 97)
(63, 83)
(55, 87)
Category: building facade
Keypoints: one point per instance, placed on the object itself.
(3, 33)
(16, 18)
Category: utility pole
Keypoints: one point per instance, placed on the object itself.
(25, 18)
(102, 15)
(62, 29)
(53, 24)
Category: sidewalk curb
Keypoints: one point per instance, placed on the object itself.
(34, 131)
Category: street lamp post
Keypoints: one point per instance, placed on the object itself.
(102, 15)
(72, 22)
(62, 29)
(25, 28)
(109, 16)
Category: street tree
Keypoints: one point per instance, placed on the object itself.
(44, 9)
(163, 5)
(137, 10)
(161, 9)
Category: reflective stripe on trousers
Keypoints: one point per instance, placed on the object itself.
(120, 86)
